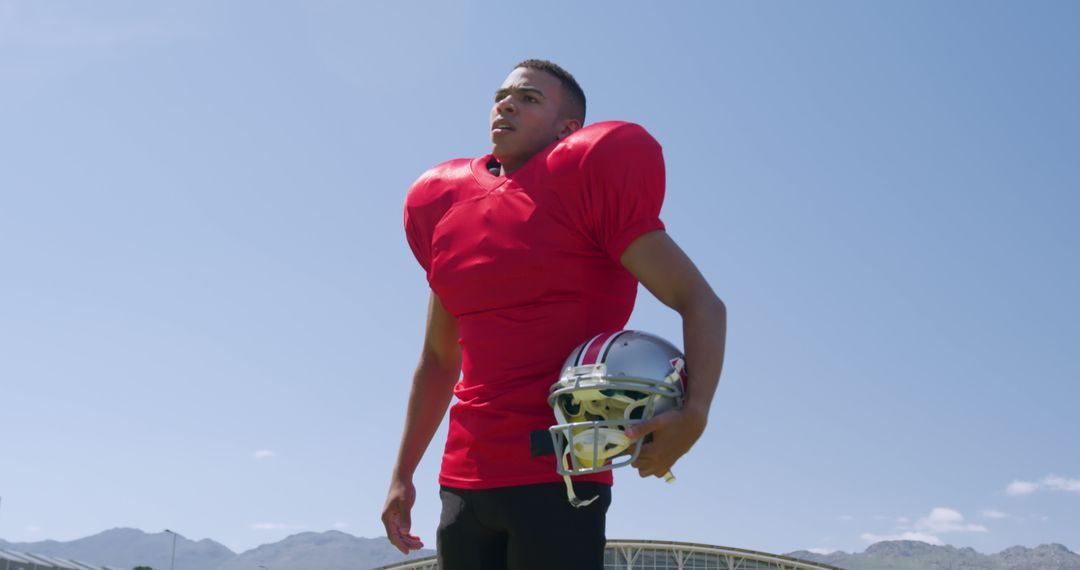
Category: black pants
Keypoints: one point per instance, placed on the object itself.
(530, 527)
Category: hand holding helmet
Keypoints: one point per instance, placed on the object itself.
(612, 384)
(673, 434)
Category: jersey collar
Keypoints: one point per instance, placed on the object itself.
(490, 181)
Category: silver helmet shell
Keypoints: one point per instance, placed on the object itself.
(609, 383)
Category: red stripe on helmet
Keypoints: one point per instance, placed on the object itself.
(592, 352)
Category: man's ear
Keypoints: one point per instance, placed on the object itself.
(569, 127)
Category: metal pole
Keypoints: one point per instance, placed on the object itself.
(172, 561)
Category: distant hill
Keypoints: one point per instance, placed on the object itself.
(910, 555)
(127, 548)
(330, 550)
(334, 550)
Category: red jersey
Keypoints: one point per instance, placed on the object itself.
(529, 265)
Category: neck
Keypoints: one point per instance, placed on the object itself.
(509, 164)
(500, 168)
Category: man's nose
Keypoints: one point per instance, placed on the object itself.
(505, 105)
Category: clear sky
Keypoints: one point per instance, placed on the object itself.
(209, 315)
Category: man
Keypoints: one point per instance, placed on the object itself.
(529, 251)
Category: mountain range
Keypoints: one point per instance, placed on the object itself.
(334, 550)
(128, 548)
(911, 555)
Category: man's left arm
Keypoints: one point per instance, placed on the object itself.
(666, 271)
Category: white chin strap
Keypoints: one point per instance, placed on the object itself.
(570, 494)
(599, 444)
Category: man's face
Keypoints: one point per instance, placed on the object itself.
(526, 117)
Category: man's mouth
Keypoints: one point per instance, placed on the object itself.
(501, 127)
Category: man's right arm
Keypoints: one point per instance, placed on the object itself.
(432, 388)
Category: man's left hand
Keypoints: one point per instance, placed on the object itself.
(674, 433)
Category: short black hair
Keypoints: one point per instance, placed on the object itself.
(576, 97)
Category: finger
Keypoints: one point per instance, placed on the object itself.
(393, 529)
(641, 430)
(403, 523)
(394, 536)
(410, 541)
(641, 462)
(645, 469)
(651, 466)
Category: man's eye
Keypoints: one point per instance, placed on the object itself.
(530, 98)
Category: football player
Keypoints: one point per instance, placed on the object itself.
(529, 251)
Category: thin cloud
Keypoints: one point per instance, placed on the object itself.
(1058, 483)
(821, 551)
(926, 529)
(1021, 488)
(1048, 483)
(943, 519)
(846, 517)
(263, 454)
(994, 514)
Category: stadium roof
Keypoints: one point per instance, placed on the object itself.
(667, 555)
(11, 560)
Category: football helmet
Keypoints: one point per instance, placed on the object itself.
(608, 384)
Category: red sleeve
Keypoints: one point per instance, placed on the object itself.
(428, 200)
(420, 245)
(422, 211)
(623, 177)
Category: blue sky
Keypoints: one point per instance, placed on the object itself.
(209, 315)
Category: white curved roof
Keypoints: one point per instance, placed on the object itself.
(667, 555)
(12, 560)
